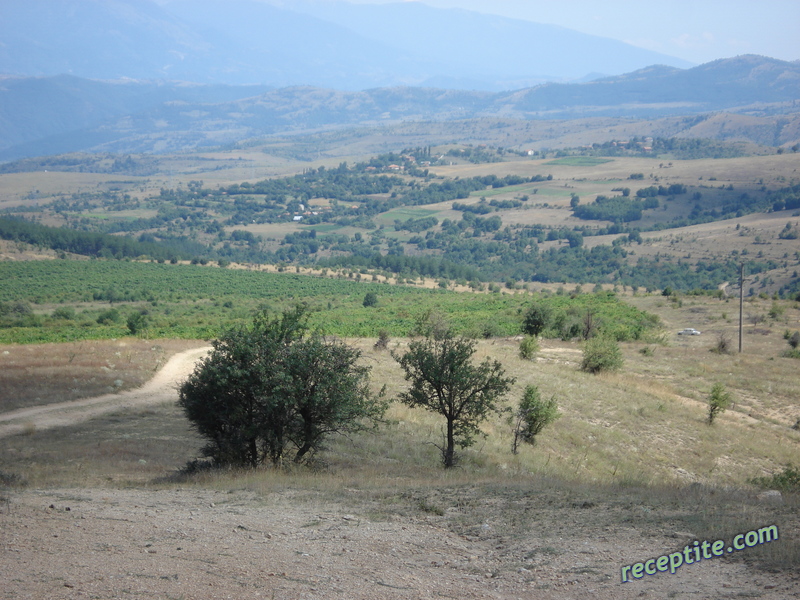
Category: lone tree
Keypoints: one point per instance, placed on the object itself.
(444, 380)
(370, 299)
(718, 401)
(532, 415)
(537, 319)
(274, 386)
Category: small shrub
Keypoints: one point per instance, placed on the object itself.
(528, 347)
(723, 345)
(777, 311)
(109, 317)
(490, 329)
(533, 415)
(11, 480)
(794, 340)
(601, 354)
(647, 351)
(718, 401)
(787, 480)
(64, 312)
(383, 340)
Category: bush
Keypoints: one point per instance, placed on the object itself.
(490, 329)
(718, 401)
(383, 340)
(64, 312)
(601, 354)
(528, 347)
(794, 340)
(787, 480)
(274, 386)
(137, 322)
(723, 345)
(109, 317)
(370, 299)
(537, 319)
(533, 415)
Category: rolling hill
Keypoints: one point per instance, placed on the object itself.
(62, 114)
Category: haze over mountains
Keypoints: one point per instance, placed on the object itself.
(138, 76)
(332, 44)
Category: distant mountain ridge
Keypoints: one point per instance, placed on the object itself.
(331, 44)
(63, 114)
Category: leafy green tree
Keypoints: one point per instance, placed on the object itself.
(138, 322)
(718, 401)
(274, 386)
(533, 415)
(370, 299)
(601, 353)
(537, 318)
(444, 380)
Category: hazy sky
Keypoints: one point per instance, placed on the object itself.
(695, 30)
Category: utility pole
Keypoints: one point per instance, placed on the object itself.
(741, 303)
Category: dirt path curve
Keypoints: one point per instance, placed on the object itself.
(161, 388)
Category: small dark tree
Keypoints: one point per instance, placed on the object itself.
(537, 319)
(274, 385)
(444, 380)
(794, 340)
(370, 299)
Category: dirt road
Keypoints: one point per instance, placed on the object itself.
(161, 388)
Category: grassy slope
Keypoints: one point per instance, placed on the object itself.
(644, 424)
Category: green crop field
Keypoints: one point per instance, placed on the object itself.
(189, 301)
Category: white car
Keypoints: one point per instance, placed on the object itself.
(689, 331)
